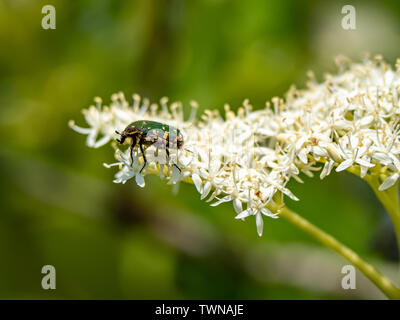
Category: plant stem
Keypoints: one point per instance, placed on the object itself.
(390, 200)
(382, 282)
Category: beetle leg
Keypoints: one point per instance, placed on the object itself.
(167, 152)
(144, 157)
(132, 155)
(117, 132)
(133, 137)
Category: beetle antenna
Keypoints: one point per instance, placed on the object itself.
(117, 132)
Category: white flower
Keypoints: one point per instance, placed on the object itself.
(349, 120)
(353, 156)
(257, 212)
(390, 181)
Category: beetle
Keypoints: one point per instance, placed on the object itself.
(146, 133)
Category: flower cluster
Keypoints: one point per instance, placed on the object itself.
(350, 121)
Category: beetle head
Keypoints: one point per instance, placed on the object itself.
(122, 138)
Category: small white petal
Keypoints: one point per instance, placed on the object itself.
(244, 214)
(344, 165)
(215, 165)
(79, 129)
(237, 205)
(382, 157)
(363, 171)
(389, 182)
(268, 213)
(206, 190)
(297, 178)
(222, 200)
(289, 194)
(294, 169)
(91, 138)
(319, 151)
(185, 161)
(101, 142)
(300, 142)
(213, 195)
(259, 223)
(176, 173)
(111, 164)
(396, 161)
(197, 182)
(139, 180)
(303, 156)
(366, 121)
(365, 163)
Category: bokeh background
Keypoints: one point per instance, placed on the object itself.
(107, 241)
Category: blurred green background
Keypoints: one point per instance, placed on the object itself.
(59, 205)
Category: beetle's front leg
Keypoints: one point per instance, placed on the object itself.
(132, 155)
(133, 137)
(144, 157)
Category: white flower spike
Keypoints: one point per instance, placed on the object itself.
(351, 120)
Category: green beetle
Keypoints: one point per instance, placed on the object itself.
(146, 133)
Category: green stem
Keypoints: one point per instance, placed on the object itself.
(382, 282)
(390, 200)
(389, 197)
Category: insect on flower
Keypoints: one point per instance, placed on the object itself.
(146, 133)
(350, 121)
